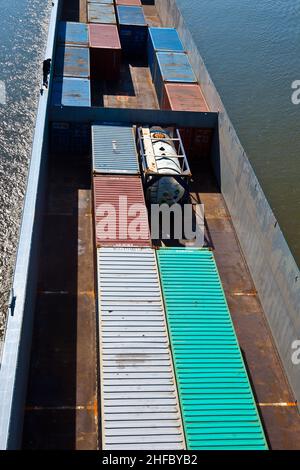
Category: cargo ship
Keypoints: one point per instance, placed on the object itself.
(144, 343)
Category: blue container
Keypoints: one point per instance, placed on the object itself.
(172, 67)
(72, 62)
(73, 34)
(68, 91)
(114, 150)
(162, 40)
(70, 138)
(101, 13)
(133, 29)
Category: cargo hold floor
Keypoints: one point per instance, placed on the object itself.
(61, 409)
(274, 399)
(134, 89)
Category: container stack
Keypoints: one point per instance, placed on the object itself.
(133, 336)
(177, 87)
(71, 86)
(104, 41)
(132, 27)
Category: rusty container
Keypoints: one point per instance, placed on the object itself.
(120, 212)
(133, 3)
(105, 51)
(183, 97)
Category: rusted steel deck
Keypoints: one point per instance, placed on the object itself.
(279, 413)
(61, 409)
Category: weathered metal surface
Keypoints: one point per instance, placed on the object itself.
(269, 258)
(104, 36)
(73, 34)
(172, 67)
(123, 197)
(72, 62)
(218, 406)
(139, 401)
(114, 150)
(162, 40)
(136, 3)
(61, 406)
(71, 92)
(101, 13)
(184, 97)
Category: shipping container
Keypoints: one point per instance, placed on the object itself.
(70, 139)
(133, 29)
(72, 62)
(73, 34)
(133, 3)
(139, 399)
(219, 410)
(162, 40)
(173, 67)
(184, 97)
(121, 216)
(105, 51)
(197, 143)
(114, 149)
(101, 13)
(69, 91)
(110, 2)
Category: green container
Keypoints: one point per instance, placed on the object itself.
(218, 407)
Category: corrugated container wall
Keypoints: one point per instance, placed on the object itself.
(68, 91)
(72, 62)
(121, 216)
(133, 29)
(101, 13)
(105, 51)
(218, 407)
(173, 67)
(162, 40)
(114, 150)
(73, 34)
(139, 401)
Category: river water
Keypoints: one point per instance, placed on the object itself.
(251, 49)
(23, 34)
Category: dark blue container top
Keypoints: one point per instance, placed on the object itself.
(73, 34)
(165, 39)
(131, 15)
(71, 92)
(72, 62)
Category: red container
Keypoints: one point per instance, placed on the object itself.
(136, 3)
(197, 143)
(184, 97)
(121, 216)
(105, 51)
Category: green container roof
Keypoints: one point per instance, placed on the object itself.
(218, 407)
